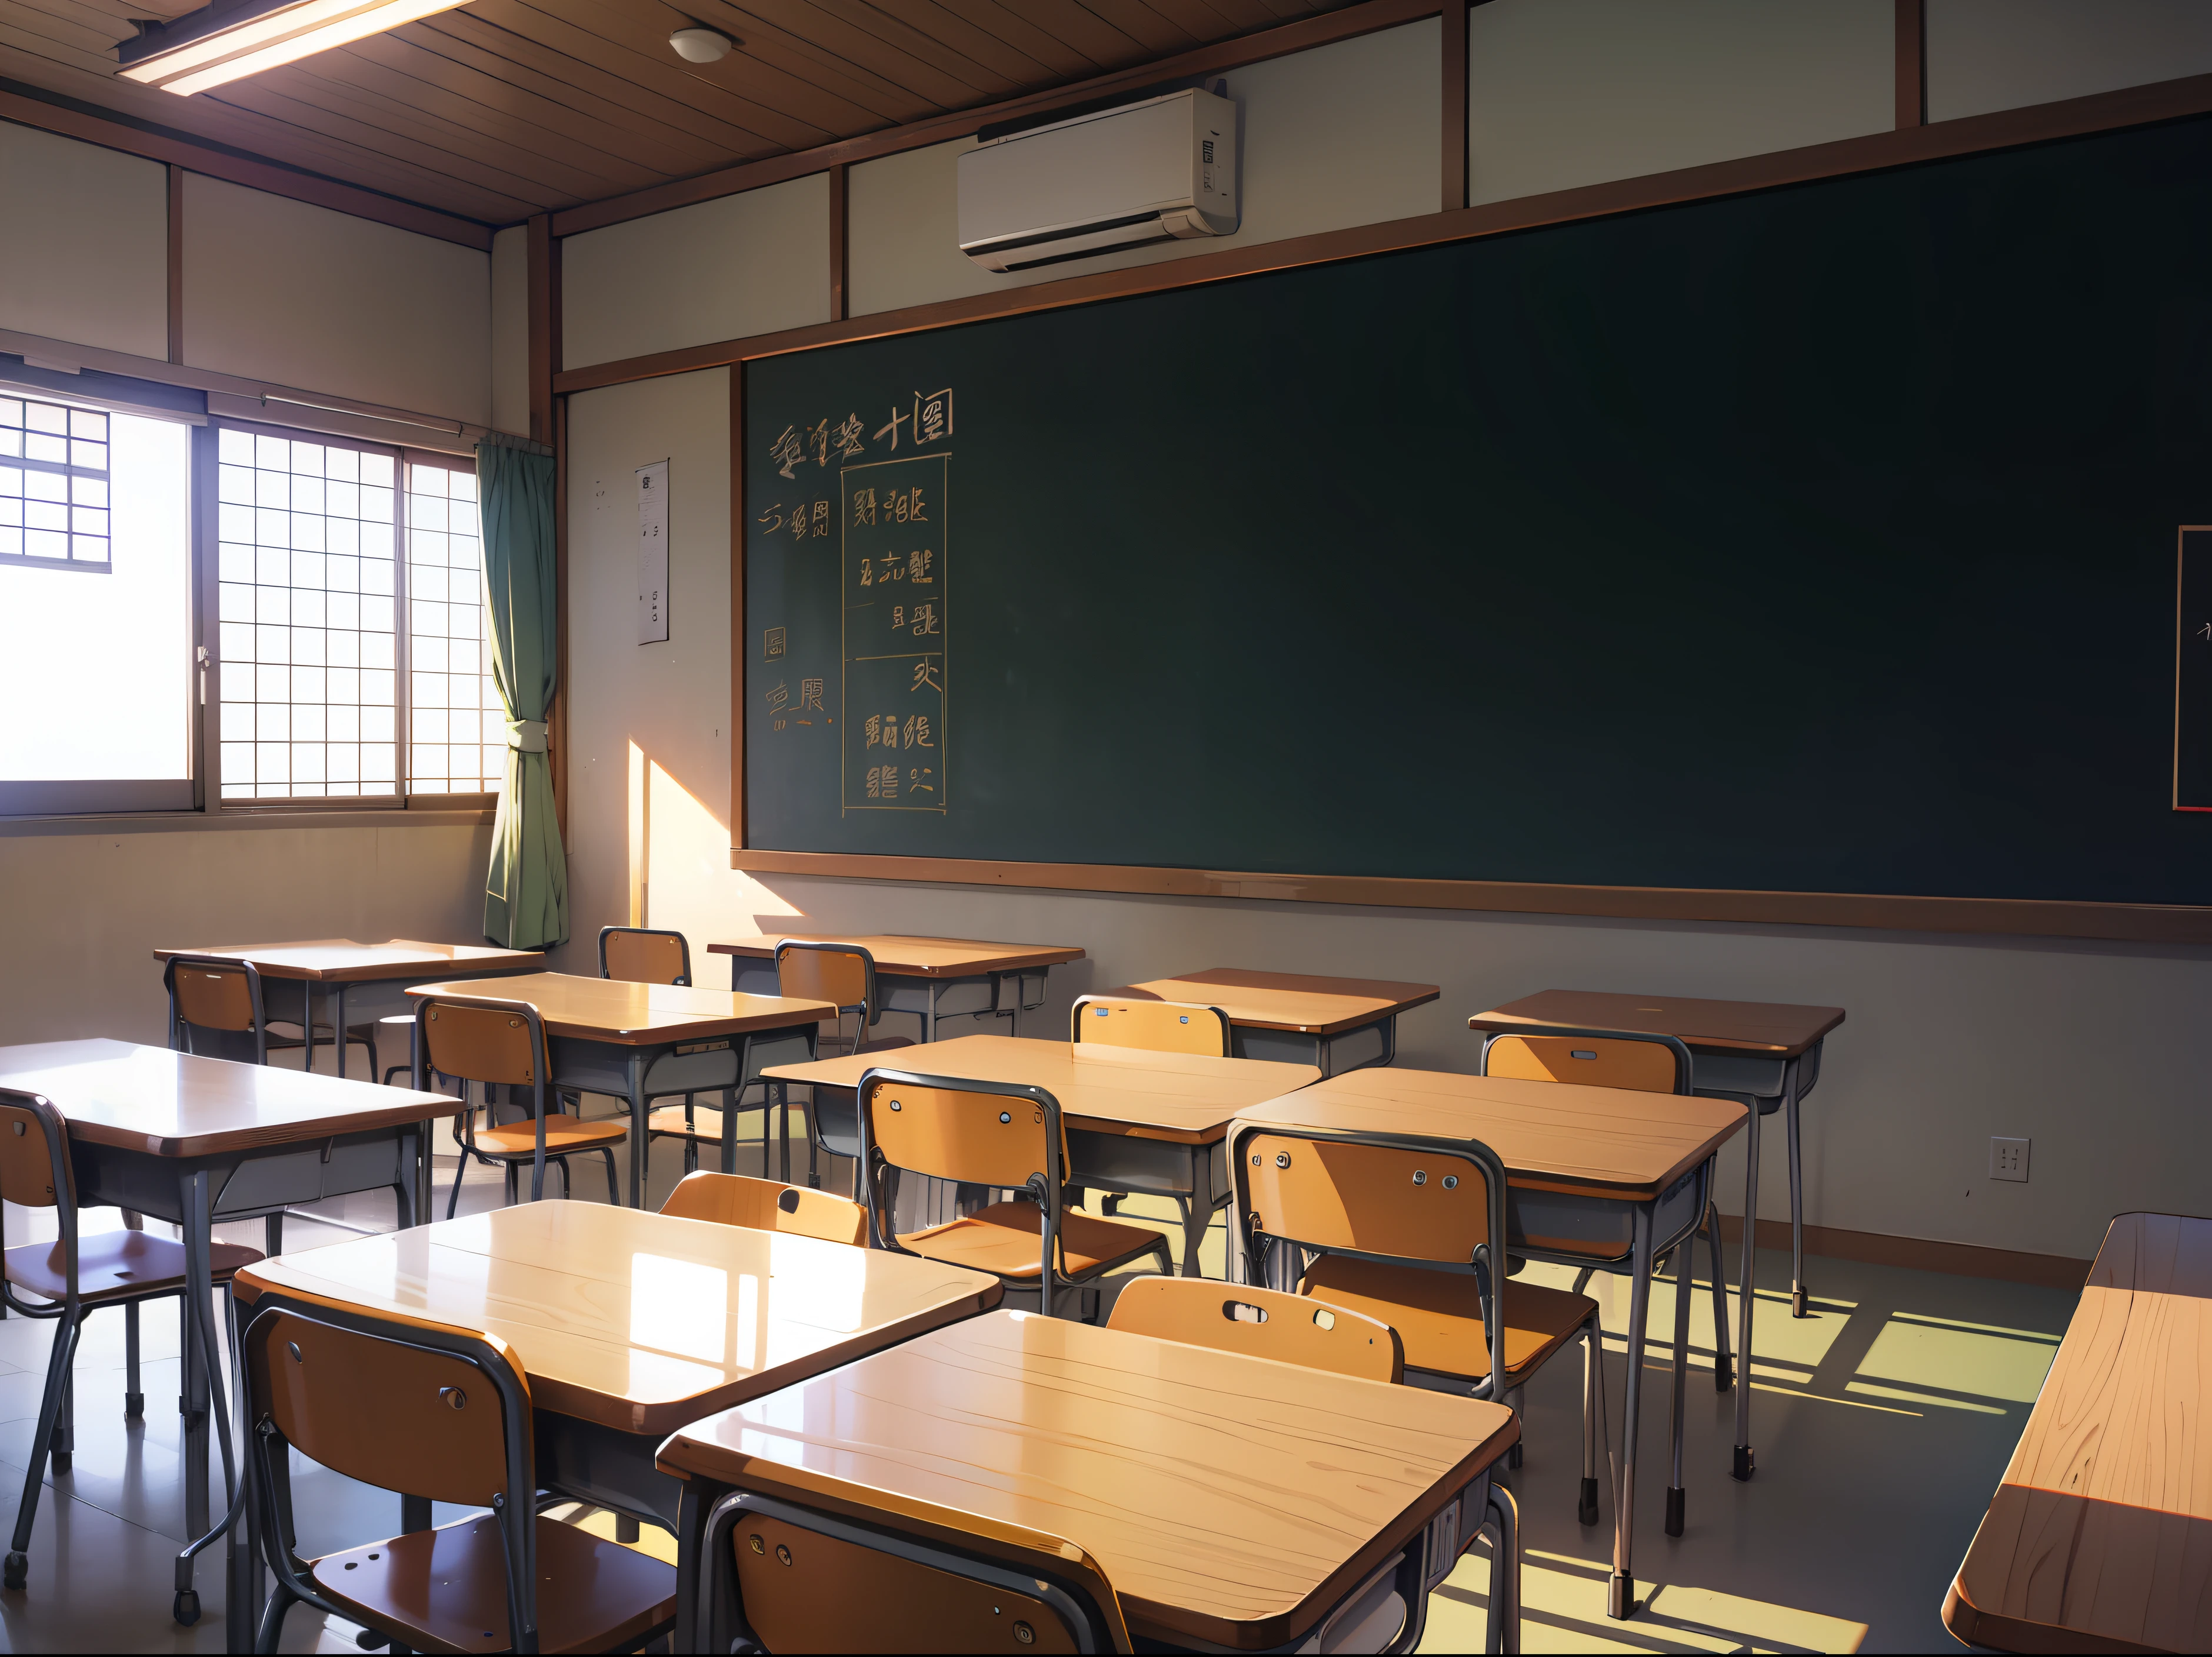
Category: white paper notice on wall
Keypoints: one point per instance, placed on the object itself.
(652, 553)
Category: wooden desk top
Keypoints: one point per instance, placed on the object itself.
(341, 960)
(1777, 1029)
(166, 1104)
(1553, 1135)
(640, 1322)
(1225, 1497)
(1190, 1098)
(916, 957)
(2099, 1538)
(638, 1014)
(1288, 1000)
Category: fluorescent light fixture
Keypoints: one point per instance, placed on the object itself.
(222, 43)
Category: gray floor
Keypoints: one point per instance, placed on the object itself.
(1881, 1425)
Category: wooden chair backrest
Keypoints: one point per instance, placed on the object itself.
(213, 995)
(480, 1043)
(642, 957)
(1261, 1323)
(803, 1591)
(1425, 1204)
(396, 1416)
(29, 1170)
(951, 1133)
(842, 976)
(735, 1199)
(1160, 1026)
(1648, 1067)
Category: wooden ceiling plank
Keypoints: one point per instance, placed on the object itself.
(762, 41)
(1216, 20)
(214, 122)
(1026, 29)
(1159, 35)
(107, 26)
(646, 105)
(265, 95)
(739, 88)
(1084, 31)
(417, 77)
(1004, 44)
(421, 132)
(612, 127)
(79, 35)
(904, 55)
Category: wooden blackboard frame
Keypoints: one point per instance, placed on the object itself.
(2180, 924)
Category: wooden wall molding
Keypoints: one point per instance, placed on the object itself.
(1454, 104)
(2164, 100)
(270, 176)
(1918, 1253)
(1912, 62)
(176, 264)
(1325, 29)
(2164, 924)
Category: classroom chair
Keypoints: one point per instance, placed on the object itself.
(844, 975)
(216, 1011)
(641, 954)
(437, 1414)
(780, 1576)
(733, 1199)
(502, 1044)
(999, 1136)
(1411, 1233)
(1265, 1323)
(72, 1278)
(1159, 1026)
(1643, 1062)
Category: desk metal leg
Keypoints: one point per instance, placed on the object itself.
(1684, 1282)
(242, 1594)
(929, 1018)
(730, 1096)
(338, 1024)
(1799, 1292)
(1621, 1600)
(204, 1388)
(638, 1143)
(1198, 1209)
(1746, 1292)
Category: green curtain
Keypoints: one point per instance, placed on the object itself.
(526, 888)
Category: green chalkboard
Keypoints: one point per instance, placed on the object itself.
(1816, 540)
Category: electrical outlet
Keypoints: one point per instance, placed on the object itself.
(2008, 1158)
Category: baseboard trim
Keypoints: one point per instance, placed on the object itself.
(1919, 1253)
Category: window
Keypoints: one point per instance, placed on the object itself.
(53, 484)
(96, 677)
(457, 741)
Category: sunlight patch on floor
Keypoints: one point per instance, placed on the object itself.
(1562, 1609)
(1983, 1363)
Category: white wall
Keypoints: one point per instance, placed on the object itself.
(83, 912)
(2000, 54)
(296, 295)
(2096, 1052)
(1562, 93)
(510, 331)
(740, 264)
(1346, 134)
(86, 248)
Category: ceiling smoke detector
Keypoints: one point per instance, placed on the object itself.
(701, 46)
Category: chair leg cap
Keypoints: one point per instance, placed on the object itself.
(18, 1571)
(1799, 1297)
(1724, 1375)
(1620, 1597)
(134, 1405)
(186, 1610)
(1513, 1457)
(1586, 1507)
(1744, 1467)
(62, 1461)
(1675, 1495)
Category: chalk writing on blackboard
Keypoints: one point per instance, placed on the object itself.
(894, 604)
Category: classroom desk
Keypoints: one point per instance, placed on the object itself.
(328, 965)
(929, 978)
(193, 1140)
(1594, 1173)
(1762, 1054)
(2100, 1537)
(1293, 1016)
(1228, 1500)
(630, 1325)
(1136, 1120)
(605, 1033)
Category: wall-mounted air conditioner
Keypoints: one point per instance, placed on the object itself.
(1160, 169)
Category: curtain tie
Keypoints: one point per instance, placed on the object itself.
(526, 735)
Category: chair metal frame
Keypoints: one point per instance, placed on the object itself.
(56, 1431)
(1111, 1197)
(1076, 1037)
(683, 979)
(180, 1028)
(683, 943)
(541, 1085)
(870, 1009)
(721, 1619)
(1046, 1187)
(268, 1458)
(1709, 1226)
